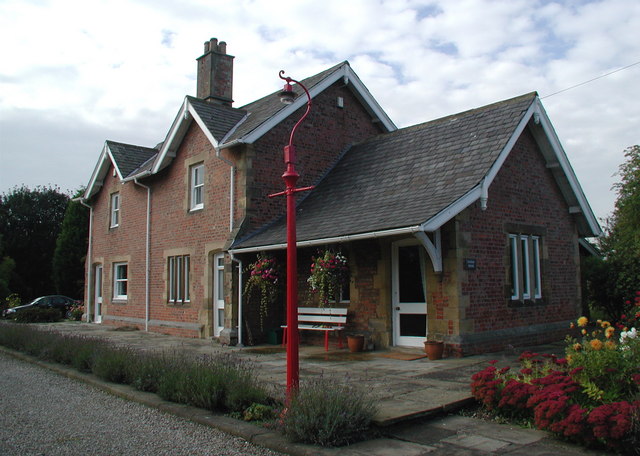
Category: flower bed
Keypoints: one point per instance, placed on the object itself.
(591, 396)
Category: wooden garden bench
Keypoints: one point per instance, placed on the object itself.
(325, 319)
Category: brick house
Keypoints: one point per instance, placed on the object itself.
(466, 226)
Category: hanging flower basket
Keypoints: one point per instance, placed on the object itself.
(263, 279)
(329, 273)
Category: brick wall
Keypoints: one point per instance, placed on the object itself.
(523, 198)
(319, 141)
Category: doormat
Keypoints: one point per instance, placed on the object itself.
(403, 356)
(265, 350)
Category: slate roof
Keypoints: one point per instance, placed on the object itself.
(219, 119)
(129, 158)
(266, 107)
(403, 178)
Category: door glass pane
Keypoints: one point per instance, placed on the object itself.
(413, 325)
(410, 275)
(220, 318)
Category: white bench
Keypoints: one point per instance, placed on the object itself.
(325, 319)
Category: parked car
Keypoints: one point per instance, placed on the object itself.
(63, 303)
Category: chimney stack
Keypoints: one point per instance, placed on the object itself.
(215, 73)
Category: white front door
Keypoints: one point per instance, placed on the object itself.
(97, 316)
(409, 292)
(218, 294)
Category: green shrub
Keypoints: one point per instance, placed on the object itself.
(113, 363)
(328, 413)
(38, 315)
(146, 371)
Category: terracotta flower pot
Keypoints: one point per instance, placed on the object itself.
(355, 343)
(433, 349)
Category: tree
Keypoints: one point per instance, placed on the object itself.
(6, 269)
(71, 250)
(615, 278)
(30, 221)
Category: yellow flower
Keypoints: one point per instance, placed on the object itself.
(570, 358)
(605, 324)
(594, 333)
(577, 347)
(582, 321)
(609, 332)
(596, 344)
(611, 345)
(584, 332)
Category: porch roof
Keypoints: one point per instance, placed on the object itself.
(404, 178)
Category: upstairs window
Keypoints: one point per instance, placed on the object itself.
(115, 210)
(524, 267)
(178, 270)
(120, 280)
(197, 187)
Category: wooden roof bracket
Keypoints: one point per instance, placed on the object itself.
(433, 248)
(484, 194)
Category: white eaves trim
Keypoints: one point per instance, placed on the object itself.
(100, 171)
(177, 132)
(344, 72)
(550, 132)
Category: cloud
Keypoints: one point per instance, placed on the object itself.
(89, 71)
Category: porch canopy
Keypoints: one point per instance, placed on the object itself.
(415, 179)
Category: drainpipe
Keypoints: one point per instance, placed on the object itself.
(232, 188)
(233, 258)
(89, 256)
(147, 254)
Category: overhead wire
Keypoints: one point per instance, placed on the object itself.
(590, 80)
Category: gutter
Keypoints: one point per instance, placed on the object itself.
(147, 254)
(337, 239)
(81, 200)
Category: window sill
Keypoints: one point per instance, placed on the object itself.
(119, 301)
(516, 303)
(196, 209)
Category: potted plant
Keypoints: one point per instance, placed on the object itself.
(355, 342)
(434, 346)
(263, 279)
(329, 273)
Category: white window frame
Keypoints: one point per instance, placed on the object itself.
(196, 185)
(115, 210)
(537, 275)
(524, 252)
(179, 279)
(524, 267)
(118, 282)
(515, 268)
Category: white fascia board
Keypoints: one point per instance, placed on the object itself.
(164, 157)
(99, 172)
(115, 166)
(561, 156)
(344, 71)
(506, 150)
(331, 240)
(442, 217)
(368, 99)
(202, 125)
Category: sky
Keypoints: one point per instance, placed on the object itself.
(76, 73)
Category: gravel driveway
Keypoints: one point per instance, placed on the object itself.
(43, 413)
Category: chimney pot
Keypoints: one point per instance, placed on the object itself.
(215, 73)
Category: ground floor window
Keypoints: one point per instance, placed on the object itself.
(120, 280)
(524, 267)
(179, 279)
